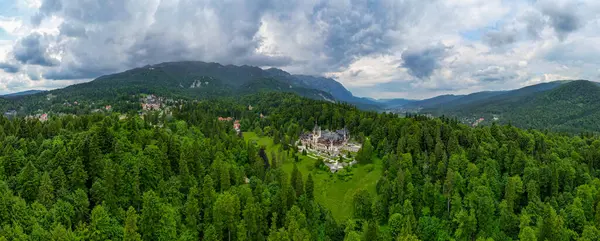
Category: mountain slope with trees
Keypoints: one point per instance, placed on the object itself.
(448, 103)
(175, 80)
(22, 93)
(567, 106)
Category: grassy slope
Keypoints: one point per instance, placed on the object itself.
(330, 190)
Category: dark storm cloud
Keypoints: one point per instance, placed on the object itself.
(15, 84)
(422, 62)
(494, 74)
(500, 38)
(95, 11)
(395, 86)
(71, 30)
(263, 60)
(69, 74)
(33, 50)
(562, 19)
(9, 68)
(152, 48)
(356, 32)
(48, 7)
(227, 35)
(34, 75)
(75, 72)
(115, 35)
(355, 73)
(534, 23)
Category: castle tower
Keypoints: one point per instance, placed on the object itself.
(316, 133)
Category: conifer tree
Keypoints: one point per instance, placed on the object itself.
(46, 190)
(130, 231)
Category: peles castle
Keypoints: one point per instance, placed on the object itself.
(332, 143)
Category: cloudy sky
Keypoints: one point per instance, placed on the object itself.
(376, 48)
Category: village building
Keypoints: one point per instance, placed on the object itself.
(151, 102)
(477, 122)
(10, 114)
(43, 117)
(237, 126)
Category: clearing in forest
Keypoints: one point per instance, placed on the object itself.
(332, 190)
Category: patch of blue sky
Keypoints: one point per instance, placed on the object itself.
(472, 35)
(478, 33)
(4, 34)
(8, 8)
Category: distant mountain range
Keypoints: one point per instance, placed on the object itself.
(22, 93)
(561, 105)
(566, 106)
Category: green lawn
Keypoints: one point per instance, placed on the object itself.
(330, 189)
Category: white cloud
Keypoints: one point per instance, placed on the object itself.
(10, 24)
(381, 48)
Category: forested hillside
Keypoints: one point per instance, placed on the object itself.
(192, 80)
(571, 107)
(101, 177)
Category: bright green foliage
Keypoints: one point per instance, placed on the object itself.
(353, 236)
(130, 231)
(226, 213)
(63, 213)
(150, 218)
(167, 224)
(396, 223)
(28, 182)
(46, 191)
(365, 154)
(102, 226)
(296, 181)
(362, 204)
(310, 187)
(60, 233)
(527, 234)
(78, 175)
(210, 233)
(189, 176)
(590, 233)
(81, 206)
(408, 237)
(370, 231)
(192, 211)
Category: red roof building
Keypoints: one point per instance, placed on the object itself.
(44, 117)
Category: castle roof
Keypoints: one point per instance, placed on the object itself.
(343, 132)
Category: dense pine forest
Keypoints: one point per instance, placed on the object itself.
(192, 177)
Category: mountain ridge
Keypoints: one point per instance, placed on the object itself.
(568, 106)
(202, 80)
(22, 93)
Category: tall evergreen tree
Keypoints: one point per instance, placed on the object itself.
(310, 186)
(46, 190)
(130, 231)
